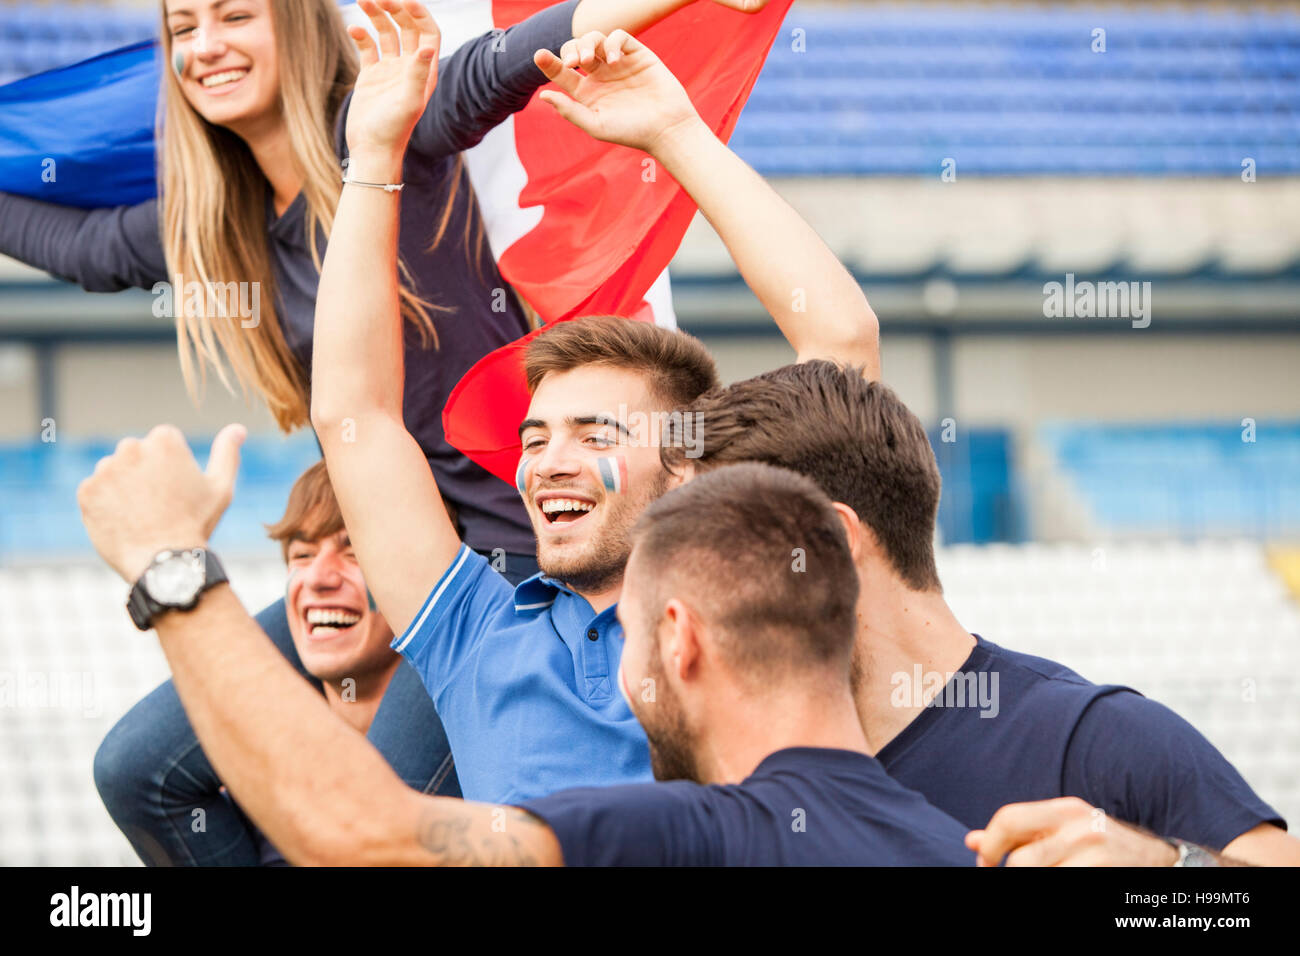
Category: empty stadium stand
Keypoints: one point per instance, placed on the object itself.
(1185, 481)
(898, 88)
(38, 493)
(1028, 89)
(36, 36)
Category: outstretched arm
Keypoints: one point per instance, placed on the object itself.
(389, 499)
(318, 789)
(628, 96)
(102, 250)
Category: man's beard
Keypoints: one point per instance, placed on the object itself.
(672, 742)
(601, 563)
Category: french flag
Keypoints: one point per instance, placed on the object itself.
(582, 227)
(579, 227)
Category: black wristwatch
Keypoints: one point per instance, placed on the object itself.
(173, 581)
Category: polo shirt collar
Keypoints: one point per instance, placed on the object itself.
(537, 593)
(572, 613)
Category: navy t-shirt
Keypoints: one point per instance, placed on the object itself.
(1050, 733)
(802, 806)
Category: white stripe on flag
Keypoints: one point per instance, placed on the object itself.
(660, 299)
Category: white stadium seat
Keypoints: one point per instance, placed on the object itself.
(1204, 628)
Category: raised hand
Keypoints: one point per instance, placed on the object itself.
(150, 495)
(397, 77)
(625, 95)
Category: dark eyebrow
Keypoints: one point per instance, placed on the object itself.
(600, 420)
(528, 423)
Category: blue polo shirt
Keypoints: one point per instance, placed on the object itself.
(525, 682)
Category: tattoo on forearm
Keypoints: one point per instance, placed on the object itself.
(455, 836)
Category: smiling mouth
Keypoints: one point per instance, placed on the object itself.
(565, 510)
(223, 79)
(323, 622)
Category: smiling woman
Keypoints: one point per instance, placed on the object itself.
(239, 108)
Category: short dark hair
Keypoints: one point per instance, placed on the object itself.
(762, 556)
(677, 366)
(855, 438)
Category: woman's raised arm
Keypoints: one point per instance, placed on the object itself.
(493, 75)
(489, 78)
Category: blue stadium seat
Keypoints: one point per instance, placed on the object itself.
(1152, 478)
(1017, 90)
(1012, 89)
(38, 492)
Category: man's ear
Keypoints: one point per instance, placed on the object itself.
(852, 528)
(682, 472)
(680, 646)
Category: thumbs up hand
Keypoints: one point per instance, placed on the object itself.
(150, 495)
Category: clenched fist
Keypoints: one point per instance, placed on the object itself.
(150, 494)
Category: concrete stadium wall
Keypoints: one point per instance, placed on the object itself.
(109, 390)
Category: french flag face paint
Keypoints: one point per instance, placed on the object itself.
(613, 472)
(178, 62)
(521, 476)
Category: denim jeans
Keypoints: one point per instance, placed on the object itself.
(163, 794)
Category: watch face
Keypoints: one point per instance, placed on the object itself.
(175, 580)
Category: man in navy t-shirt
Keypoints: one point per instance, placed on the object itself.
(802, 806)
(738, 610)
(970, 725)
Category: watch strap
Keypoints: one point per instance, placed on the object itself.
(143, 608)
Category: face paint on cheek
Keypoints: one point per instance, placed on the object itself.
(521, 476)
(613, 473)
(178, 62)
(371, 598)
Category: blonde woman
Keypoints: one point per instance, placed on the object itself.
(251, 150)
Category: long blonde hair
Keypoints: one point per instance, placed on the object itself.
(214, 213)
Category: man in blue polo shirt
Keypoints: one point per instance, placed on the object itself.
(971, 725)
(523, 679)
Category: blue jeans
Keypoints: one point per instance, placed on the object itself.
(163, 794)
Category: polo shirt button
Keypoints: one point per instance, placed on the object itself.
(593, 635)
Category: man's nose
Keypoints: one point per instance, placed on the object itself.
(324, 572)
(558, 460)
